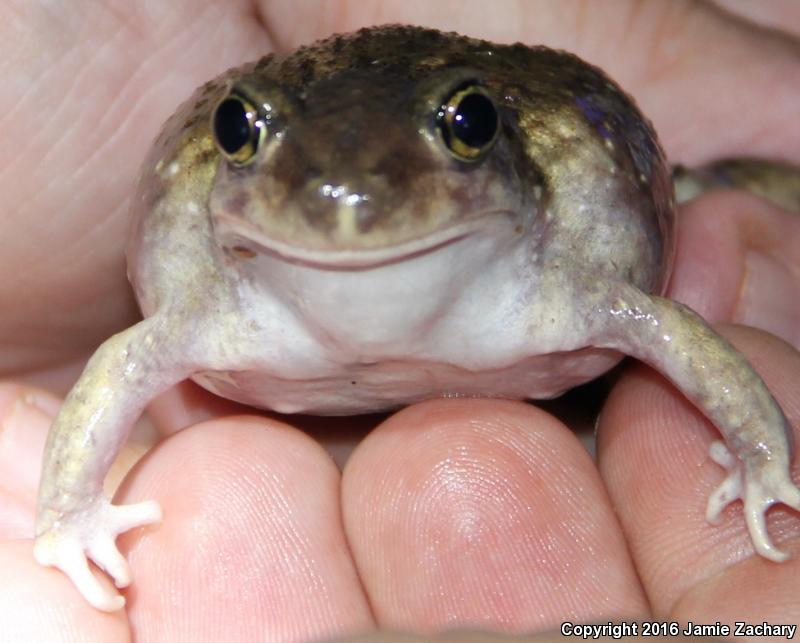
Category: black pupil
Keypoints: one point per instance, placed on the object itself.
(475, 120)
(231, 125)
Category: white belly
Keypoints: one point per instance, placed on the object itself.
(471, 319)
(366, 388)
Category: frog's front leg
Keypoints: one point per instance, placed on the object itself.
(74, 517)
(722, 384)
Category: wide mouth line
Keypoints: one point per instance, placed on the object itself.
(351, 258)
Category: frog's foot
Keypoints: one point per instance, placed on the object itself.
(759, 488)
(90, 533)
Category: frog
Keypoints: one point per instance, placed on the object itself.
(389, 216)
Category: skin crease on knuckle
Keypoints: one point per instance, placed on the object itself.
(163, 337)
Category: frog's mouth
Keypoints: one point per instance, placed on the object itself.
(245, 240)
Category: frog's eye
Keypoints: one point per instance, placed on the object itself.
(469, 122)
(238, 129)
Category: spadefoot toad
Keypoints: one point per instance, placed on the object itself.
(385, 217)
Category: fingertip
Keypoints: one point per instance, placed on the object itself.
(252, 522)
(451, 504)
(42, 604)
(25, 418)
(757, 242)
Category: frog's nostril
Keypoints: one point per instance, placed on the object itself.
(391, 169)
(313, 173)
(366, 216)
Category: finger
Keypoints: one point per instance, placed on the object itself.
(251, 544)
(653, 454)
(778, 14)
(39, 604)
(626, 39)
(25, 417)
(26, 414)
(64, 181)
(187, 404)
(758, 247)
(483, 513)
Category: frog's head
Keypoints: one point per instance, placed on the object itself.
(365, 166)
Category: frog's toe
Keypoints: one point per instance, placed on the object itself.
(67, 554)
(103, 551)
(756, 504)
(730, 489)
(91, 533)
(721, 454)
(760, 486)
(723, 495)
(120, 518)
(89, 586)
(757, 526)
(126, 517)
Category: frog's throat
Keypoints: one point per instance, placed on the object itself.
(245, 238)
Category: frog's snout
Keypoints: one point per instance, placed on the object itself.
(340, 182)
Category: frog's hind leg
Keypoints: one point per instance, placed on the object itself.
(74, 518)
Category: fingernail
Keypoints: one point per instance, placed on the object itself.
(23, 431)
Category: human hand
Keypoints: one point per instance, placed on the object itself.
(458, 512)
